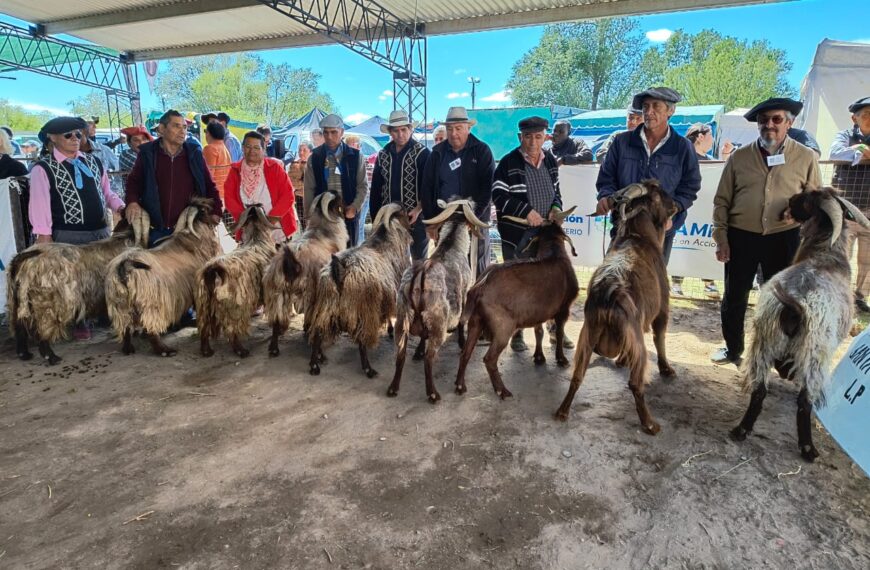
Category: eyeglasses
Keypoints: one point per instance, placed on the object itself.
(777, 120)
(71, 134)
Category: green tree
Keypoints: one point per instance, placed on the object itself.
(588, 64)
(19, 119)
(95, 104)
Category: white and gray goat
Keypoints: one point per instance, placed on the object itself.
(230, 287)
(50, 286)
(291, 277)
(154, 288)
(432, 292)
(804, 312)
(356, 292)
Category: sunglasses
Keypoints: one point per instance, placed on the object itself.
(76, 134)
(777, 120)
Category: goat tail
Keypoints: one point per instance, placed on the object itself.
(337, 272)
(290, 266)
(472, 299)
(417, 297)
(211, 286)
(792, 316)
(15, 291)
(120, 298)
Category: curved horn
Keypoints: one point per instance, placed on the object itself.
(834, 211)
(516, 220)
(469, 215)
(560, 216)
(191, 220)
(381, 215)
(325, 201)
(441, 203)
(448, 211)
(853, 212)
(631, 192)
(243, 218)
(141, 226)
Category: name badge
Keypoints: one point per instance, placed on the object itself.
(776, 160)
(455, 164)
(338, 170)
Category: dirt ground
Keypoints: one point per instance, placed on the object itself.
(257, 464)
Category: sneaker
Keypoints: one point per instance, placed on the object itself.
(82, 331)
(567, 343)
(710, 288)
(721, 356)
(517, 343)
(677, 289)
(862, 305)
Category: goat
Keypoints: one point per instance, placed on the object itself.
(432, 292)
(803, 312)
(292, 275)
(628, 293)
(509, 296)
(153, 288)
(230, 287)
(53, 285)
(356, 292)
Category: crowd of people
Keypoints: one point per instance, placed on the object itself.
(70, 189)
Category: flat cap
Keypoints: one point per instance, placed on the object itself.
(859, 104)
(533, 124)
(61, 125)
(221, 116)
(332, 121)
(661, 93)
(206, 117)
(774, 104)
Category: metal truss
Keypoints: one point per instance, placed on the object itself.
(372, 31)
(23, 49)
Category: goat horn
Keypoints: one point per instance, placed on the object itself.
(469, 215)
(834, 211)
(631, 192)
(380, 216)
(560, 216)
(325, 201)
(855, 214)
(191, 220)
(448, 211)
(515, 219)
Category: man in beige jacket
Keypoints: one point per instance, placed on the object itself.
(753, 192)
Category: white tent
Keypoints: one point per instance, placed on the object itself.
(839, 75)
(734, 128)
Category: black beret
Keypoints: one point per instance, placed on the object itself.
(662, 93)
(206, 117)
(859, 104)
(61, 125)
(534, 124)
(774, 104)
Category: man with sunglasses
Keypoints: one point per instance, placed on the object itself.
(754, 190)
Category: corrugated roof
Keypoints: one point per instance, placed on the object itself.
(154, 29)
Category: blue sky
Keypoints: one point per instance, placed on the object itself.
(361, 88)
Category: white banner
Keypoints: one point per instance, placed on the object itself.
(846, 414)
(7, 235)
(694, 251)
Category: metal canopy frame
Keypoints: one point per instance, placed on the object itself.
(370, 30)
(91, 66)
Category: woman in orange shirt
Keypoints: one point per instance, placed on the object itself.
(216, 155)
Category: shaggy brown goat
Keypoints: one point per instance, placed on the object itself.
(627, 295)
(432, 293)
(53, 285)
(509, 296)
(356, 293)
(292, 275)
(154, 288)
(230, 287)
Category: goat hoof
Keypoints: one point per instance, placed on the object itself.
(243, 353)
(738, 433)
(314, 370)
(667, 372)
(169, 352)
(25, 355)
(322, 359)
(273, 351)
(652, 429)
(371, 372)
(52, 359)
(561, 416)
(563, 362)
(392, 393)
(539, 359)
(460, 390)
(504, 394)
(128, 350)
(809, 453)
(207, 353)
(434, 398)
(418, 356)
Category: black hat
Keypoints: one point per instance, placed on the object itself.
(533, 125)
(774, 104)
(206, 117)
(223, 117)
(859, 104)
(61, 125)
(662, 93)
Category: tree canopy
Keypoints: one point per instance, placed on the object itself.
(20, 119)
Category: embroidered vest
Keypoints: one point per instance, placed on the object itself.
(405, 189)
(73, 209)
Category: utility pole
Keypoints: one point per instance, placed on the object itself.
(474, 81)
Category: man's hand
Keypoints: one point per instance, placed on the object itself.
(350, 212)
(727, 147)
(865, 151)
(43, 239)
(723, 252)
(534, 219)
(414, 214)
(132, 212)
(604, 206)
(552, 215)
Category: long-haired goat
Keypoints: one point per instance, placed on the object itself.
(153, 288)
(292, 275)
(627, 295)
(356, 292)
(432, 293)
(510, 296)
(804, 312)
(53, 285)
(230, 287)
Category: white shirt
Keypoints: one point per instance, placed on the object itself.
(262, 196)
(658, 146)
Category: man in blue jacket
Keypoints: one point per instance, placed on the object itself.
(652, 150)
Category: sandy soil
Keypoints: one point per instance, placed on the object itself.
(256, 464)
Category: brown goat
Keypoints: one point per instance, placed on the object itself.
(627, 295)
(509, 296)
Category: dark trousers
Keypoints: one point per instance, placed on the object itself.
(773, 253)
(420, 245)
(351, 225)
(300, 212)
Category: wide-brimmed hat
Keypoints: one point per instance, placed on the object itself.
(206, 117)
(332, 121)
(398, 118)
(534, 125)
(859, 104)
(662, 93)
(136, 131)
(458, 115)
(774, 104)
(61, 125)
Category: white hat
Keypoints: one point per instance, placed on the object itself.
(332, 121)
(398, 118)
(459, 115)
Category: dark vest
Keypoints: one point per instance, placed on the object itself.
(349, 164)
(150, 199)
(73, 209)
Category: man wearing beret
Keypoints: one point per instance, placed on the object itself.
(526, 185)
(652, 150)
(754, 190)
(851, 147)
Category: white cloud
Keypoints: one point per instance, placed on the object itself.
(862, 40)
(36, 108)
(356, 118)
(385, 95)
(660, 35)
(459, 71)
(455, 95)
(503, 96)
